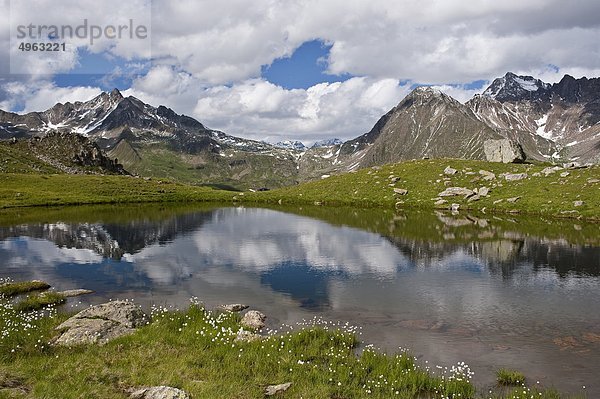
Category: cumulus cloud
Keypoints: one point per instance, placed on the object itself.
(39, 95)
(207, 55)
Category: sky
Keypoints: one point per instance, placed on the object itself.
(297, 69)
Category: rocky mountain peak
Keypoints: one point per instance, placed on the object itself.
(116, 94)
(426, 95)
(512, 87)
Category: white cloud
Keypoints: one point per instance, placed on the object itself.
(39, 95)
(208, 55)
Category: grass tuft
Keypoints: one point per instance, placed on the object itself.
(510, 377)
(39, 301)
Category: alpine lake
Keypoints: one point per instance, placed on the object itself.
(493, 291)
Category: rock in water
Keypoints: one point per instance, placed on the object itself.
(254, 320)
(72, 293)
(503, 150)
(101, 323)
(160, 392)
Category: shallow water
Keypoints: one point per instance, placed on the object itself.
(491, 291)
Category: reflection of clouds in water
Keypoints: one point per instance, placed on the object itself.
(165, 266)
(261, 240)
(36, 252)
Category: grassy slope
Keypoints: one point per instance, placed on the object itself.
(423, 179)
(552, 195)
(240, 170)
(14, 158)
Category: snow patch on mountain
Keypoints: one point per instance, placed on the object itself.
(327, 143)
(529, 85)
(291, 145)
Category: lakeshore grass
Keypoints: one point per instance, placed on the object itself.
(195, 350)
(574, 194)
(10, 288)
(510, 377)
(39, 301)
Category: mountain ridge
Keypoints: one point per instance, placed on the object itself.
(551, 122)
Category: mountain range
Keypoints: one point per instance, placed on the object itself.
(551, 122)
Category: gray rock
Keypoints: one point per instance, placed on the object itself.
(503, 150)
(234, 307)
(515, 176)
(452, 191)
(578, 203)
(592, 181)
(564, 174)
(101, 323)
(474, 198)
(572, 165)
(487, 175)
(275, 389)
(483, 191)
(450, 171)
(254, 320)
(550, 170)
(72, 293)
(455, 207)
(247, 336)
(440, 202)
(513, 199)
(160, 392)
(400, 191)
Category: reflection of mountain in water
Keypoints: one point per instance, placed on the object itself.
(110, 240)
(264, 242)
(504, 256)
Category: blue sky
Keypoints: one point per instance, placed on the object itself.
(306, 67)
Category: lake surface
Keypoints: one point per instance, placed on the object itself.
(492, 291)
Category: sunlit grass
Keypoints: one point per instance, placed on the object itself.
(572, 196)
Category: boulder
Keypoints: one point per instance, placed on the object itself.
(159, 392)
(275, 389)
(487, 175)
(452, 191)
(101, 323)
(483, 191)
(513, 199)
(450, 171)
(503, 150)
(550, 170)
(400, 191)
(515, 176)
(254, 320)
(234, 307)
